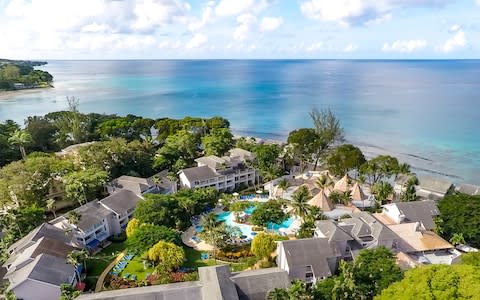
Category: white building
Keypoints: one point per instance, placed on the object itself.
(100, 219)
(222, 173)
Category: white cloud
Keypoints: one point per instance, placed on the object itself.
(246, 23)
(315, 47)
(350, 48)
(404, 46)
(197, 41)
(455, 27)
(270, 23)
(94, 27)
(226, 8)
(457, 41)
(358, 12)
(208, 15)
(478, 2)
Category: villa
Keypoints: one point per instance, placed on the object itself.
(100, 219)
(222, 173)
(215, 283)
(433, 188)
(309, 260)
(156, 184)
(37, 264)
(423, 212)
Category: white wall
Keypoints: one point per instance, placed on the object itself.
(36, 290)
(184, 181)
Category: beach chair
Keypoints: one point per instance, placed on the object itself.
(134, 277)
(126, 276)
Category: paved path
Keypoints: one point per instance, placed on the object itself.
(101, 278)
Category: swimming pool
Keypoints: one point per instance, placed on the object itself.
(229, 219)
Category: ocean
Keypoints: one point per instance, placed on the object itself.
(426, 113)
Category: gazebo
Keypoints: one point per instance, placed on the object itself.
(321, 201)
(357, 193)
(342, 185)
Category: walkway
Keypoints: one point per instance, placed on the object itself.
(187, 240)
(101, 278)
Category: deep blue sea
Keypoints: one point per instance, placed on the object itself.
(427, 113)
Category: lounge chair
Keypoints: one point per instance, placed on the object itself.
(126, 276)
(134, 277)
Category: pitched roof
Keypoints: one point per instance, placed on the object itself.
(414, 239)
(363, 224)
(174, 291)
(91, 213)
(121, 201)
(321, 201)
(342, 185)
(137, 185)
(199, 173)
(255, 284)
(331, 231)
(241, 153)
(437, 185)
(419, 211)
(469, 189)
(315, 252)
(44, 230)
(212, 161)
(216, 283)
(44, 268)
(357, 193)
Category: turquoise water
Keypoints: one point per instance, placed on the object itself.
(229, 219)
(424, 112)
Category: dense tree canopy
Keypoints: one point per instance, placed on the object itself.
(268, 212)
(305, 143)
(267, 160)
(380, 168)
(436, 282)
(345, 158)
(459, 214)
(166, 255)
(264, 244)
(218, 142)
(147, 235)
(85, 185)
(178, 152)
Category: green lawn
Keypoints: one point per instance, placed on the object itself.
(194, 259)
(135, 266)
(97, 263)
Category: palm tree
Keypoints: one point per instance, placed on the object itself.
(209, 221)
(20, 138)
(457, 238)
(345, 197)
(82, 256)
(73, 217)
(51, 207)
(402, 169)
(278, 294)
(10, 295)
(382, 190)
(72, 259)
(300, 200)
(283, 184)
(323, 182)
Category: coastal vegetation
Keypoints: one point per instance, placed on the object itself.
(16, 75)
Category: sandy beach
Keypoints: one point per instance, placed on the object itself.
(6, 95)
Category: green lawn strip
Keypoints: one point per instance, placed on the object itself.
(195, 261)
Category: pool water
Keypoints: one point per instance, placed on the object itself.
(229, 219)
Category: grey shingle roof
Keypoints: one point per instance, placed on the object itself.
(174, 291)
(121, 201)
(364, 224)
(199, 173)
(315, 252)
(91, 213)
(437, 185)
(332, 231)
(44, 268)
(44, 230)
(255, 284)
(216, 283)
(137, 185)
(419, 211)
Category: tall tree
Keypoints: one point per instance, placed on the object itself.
(304, 144)
(21, 138)
(167, 256)
(327, 127)
(344, 159)
(379, 168)
(267, 160)
(270, 212)
(218, 142)
(382, 190)
(300, 200)
(73, 217)
(278, 294)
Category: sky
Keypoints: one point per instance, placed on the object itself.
(239, 29)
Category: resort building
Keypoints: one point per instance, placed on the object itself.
(222, 173)
(100, 219)
(423, 212)
(215, 283)
(309, 260)
(37, 264)
(157, 184)
(433, 188)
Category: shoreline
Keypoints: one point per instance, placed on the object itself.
(6, 95)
